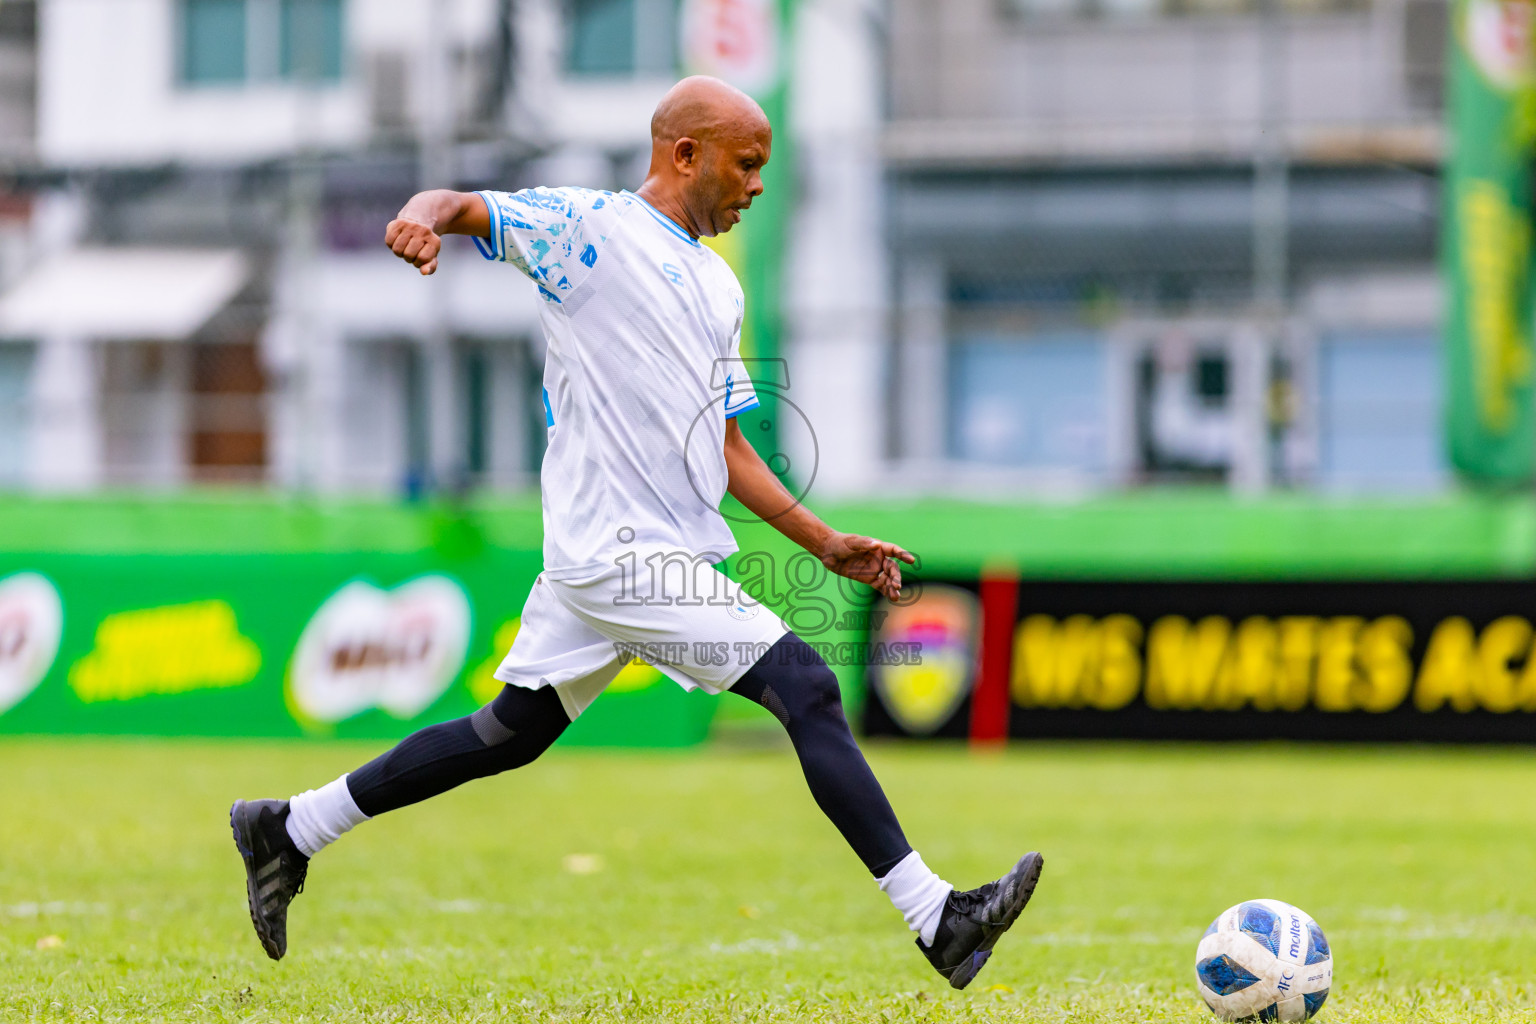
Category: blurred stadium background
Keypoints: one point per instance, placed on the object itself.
(1028, 247)
(1128, 291)
(1188, 343)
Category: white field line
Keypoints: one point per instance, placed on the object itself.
(1371, 924)
(54, 908)
(786, 943)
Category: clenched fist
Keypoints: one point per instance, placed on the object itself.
(414, 242)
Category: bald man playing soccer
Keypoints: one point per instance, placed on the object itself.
(642, 386)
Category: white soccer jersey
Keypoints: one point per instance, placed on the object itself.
(642, 371)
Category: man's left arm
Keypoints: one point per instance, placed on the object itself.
(752, 483)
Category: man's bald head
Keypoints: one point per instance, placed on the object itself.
(709, 142)
(701, 107)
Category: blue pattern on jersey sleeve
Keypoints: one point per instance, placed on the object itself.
(747, 406)
(543, 232)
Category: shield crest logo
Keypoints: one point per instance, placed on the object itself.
(923, 692)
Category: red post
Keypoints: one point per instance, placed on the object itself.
(989, 700)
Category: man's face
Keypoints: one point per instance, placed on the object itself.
(728, 179)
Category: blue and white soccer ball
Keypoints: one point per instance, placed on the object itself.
(1264, 960)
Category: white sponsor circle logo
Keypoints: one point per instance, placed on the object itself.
(366, 647)
(31, 622)
(743, 608)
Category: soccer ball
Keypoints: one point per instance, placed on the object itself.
(1264, 960)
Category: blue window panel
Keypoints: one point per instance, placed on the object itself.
(1033, 401)
(15, 375)
(602, 37)
(310, 40)
(1379, 414)
(213, 41)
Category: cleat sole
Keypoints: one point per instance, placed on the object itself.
(965, 972)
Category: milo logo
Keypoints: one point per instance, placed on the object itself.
(31, 622)
(366, 647)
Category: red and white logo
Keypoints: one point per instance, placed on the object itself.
(1499, 39)
(31, 622)
(736, 40)
(365, 648)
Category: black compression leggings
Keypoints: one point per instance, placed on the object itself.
(790, 680)
(794, 683)
(507, 733)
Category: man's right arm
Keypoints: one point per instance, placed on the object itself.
(415, 235)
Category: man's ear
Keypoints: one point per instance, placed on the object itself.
(685, 154)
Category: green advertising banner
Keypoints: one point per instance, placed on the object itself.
(1490, 413)
(313, 644)
(262, 616)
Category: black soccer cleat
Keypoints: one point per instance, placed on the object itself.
(972, 921)
(274, 868)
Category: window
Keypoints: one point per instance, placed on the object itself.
(622, 37)
(227, 422)
(15, 378)
(213, 41)
(1036, 401)
(1113, 9)
(1379, 411)
(237, 41)
(1184, 409)
(310, 40)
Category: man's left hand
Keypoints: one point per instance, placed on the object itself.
(867, 560)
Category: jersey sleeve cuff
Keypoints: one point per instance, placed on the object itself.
(733, 413)
(491, 248)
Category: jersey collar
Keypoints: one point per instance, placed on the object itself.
(666, 222)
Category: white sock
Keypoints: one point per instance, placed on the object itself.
(918, 893)
(319, 817)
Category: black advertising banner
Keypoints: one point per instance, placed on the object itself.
(1389, 660)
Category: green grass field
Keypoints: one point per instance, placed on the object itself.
(708, 887)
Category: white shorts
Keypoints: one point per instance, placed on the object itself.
(690, 621)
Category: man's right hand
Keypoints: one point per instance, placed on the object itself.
(415, 235)
(414, 242)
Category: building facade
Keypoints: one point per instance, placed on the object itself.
(1039, 246)
(1149, 240)
(204, 294)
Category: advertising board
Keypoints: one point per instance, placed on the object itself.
(284, 644)
(1203, 659)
